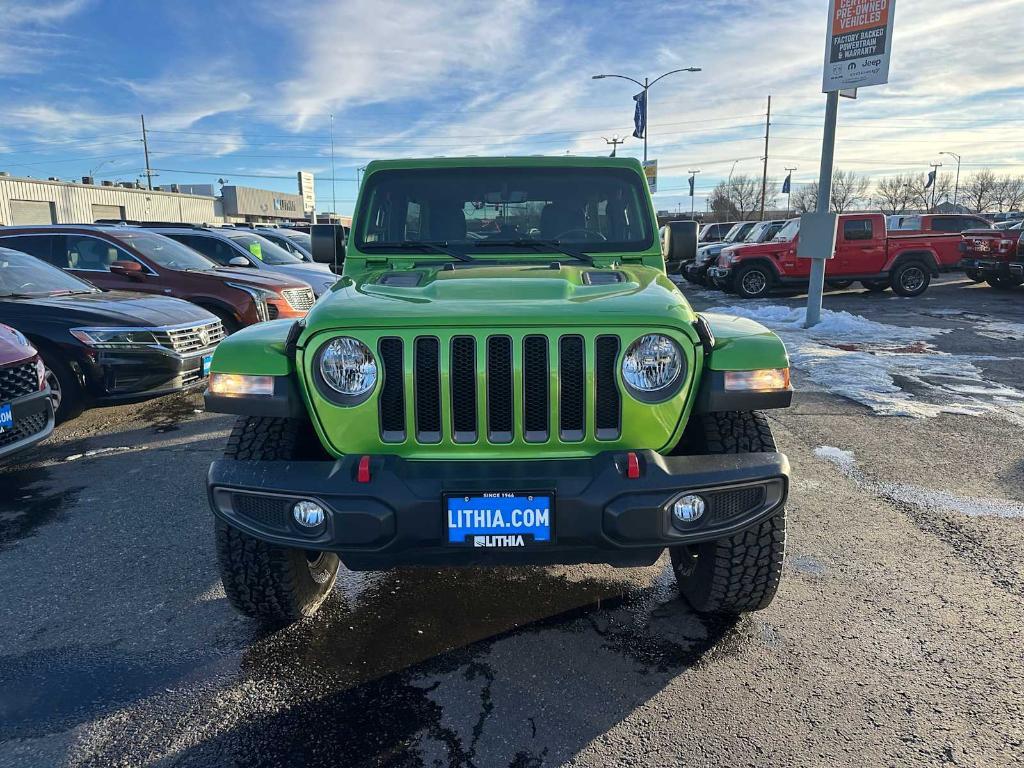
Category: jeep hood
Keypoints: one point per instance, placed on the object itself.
(508, 294)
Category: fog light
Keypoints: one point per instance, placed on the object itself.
(308, 514)
(688, 508)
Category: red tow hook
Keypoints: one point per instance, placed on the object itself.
(632, 466)
(363, 473)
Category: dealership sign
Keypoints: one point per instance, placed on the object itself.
(651, 172)
(858, 44)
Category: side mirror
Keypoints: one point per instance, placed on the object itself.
(328, 245)
(129, 269)
(239, 261)
(680, 245)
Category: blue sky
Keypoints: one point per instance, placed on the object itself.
(245, 90)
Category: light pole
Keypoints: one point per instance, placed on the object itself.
(789, 203)
(956, 189)
(935, 182)
(693, 185)
(646, 85)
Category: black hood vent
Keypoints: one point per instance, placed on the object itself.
(603, 278)
(401, 279)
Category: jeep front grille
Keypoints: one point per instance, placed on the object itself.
(299, 299)
(477, 400)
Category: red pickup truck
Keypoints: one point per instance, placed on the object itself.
(995, 256)
(864, 252)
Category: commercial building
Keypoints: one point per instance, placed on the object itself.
(52, 201)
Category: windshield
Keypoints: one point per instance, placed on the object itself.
(757, 232)
(734, 233)
(165, 251)
(302, 238)
(24, 275)
(789, 231)
(470, 209)
(265, 251)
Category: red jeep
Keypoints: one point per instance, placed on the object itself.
(995, 256)
(864, 252)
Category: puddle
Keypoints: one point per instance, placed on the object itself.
(166, 414)
(29, 503)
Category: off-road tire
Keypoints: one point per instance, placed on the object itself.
(746, 283)
(975, 275)
(875, 286)
(1004, 283)
(911, 278)
(276, 585)
(739, 573)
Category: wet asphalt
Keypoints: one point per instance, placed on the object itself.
(895, 639)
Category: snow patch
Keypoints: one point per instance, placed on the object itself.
(923, 498)
(892, 369)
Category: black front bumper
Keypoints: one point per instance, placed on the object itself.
(600, 515)
(33, 422)
(126, 376)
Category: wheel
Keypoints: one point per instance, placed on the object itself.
(875, 286)
(226, 320)
(1004, 283)
(741, 572)
(276, 585)
(911, 278)
(839, 284)
(753, 281)
(974, 275)
(66, 393)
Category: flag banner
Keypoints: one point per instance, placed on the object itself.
(931, 180)
(693, 179)
(640, 115)
(787, 185)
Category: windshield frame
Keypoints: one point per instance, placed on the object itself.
(70, 283)
(274, 249)
(779, 238)
(630, 179)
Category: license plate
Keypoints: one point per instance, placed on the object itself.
(207, 360)
(499, 519)
(6, 417)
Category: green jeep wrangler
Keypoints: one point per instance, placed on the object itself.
(502, 375)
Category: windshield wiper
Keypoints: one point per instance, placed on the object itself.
(531, 243)
(440, 246)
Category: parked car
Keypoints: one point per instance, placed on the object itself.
(936, 222)
(995, 256)
(761, 232)
(26, 413)
(697, 270)
(715, 233)
(244, 249)
(864, 252)
(132, 259)
(298, 244)
(104, 347)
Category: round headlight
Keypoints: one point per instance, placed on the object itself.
(347, 367)
(653, 364)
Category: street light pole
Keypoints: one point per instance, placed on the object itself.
(935, 182)
(789, 203)
(646, 86)
(693, 181)
(956, 189)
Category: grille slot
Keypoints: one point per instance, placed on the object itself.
(535, 389)
(24, 427)
(607, 402)
(299, 299)
(463, 389)
(499, 389)
(572, 389)
(727, 504)
(428, 390)
(17, 381)
(268, 511)
(185, 341)
(392, 395)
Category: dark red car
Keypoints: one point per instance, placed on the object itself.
(26, 412)
(995, 256)
(130, 259)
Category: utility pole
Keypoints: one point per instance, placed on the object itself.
(789, 203)
(935, 182)
(693, 184)
(956, 189)
(614, 141)
(145, 148)
(334, 195)
(764, 173)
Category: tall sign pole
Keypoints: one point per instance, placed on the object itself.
(858, 44)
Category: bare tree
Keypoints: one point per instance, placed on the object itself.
(805, 199)
(739, 197)
(940, 190)
(1011, 193)
(849, 190)
(981, 191)
(895, 194)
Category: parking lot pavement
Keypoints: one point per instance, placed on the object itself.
(894, 640)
